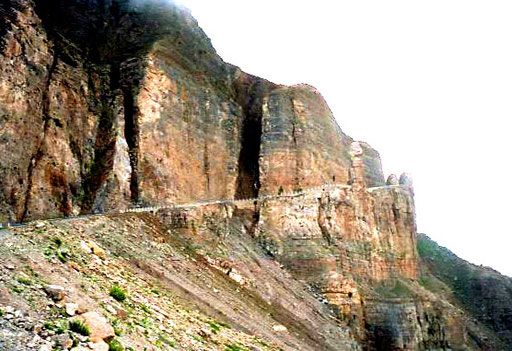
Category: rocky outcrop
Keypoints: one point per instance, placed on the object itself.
(110, 103)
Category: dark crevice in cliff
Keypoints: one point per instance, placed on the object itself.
(206, 163)
(38, 155)
(105, 146)
(248, 181)
(131, 133)
(132, 75)
(296, 149)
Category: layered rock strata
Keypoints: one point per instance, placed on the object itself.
(105, 104)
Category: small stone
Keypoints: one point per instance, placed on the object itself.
(96, 249)
(11, 267)
(85, 247)
(45, 347)
(98, 346)
(279, 328)
(40, 225)
(38, 328)
(55, 292)
(75, 266)
(64, 341)
(111, 309)
(71, 308)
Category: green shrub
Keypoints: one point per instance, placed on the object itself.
(58, 241)
(2, 313)
(115, 345)
(235, 347)
(25, 281)
(62, 256)
(117, 293)
(79, 327)
(145, 308)
(17, 289)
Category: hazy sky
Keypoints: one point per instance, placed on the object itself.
(427, 83)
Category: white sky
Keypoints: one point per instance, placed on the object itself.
(427, 83)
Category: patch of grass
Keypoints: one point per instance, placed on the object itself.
(48, 326)
(62, 256)
(25, 281)
(215, 326)
(62, 327)
(57, 241)
(166, 341)
(115, 345)
(116, 324)
(2, 312)
(17, 289)
(235, 347)
(145, 323)
(79, 327)
(145, 308)
(117, 293)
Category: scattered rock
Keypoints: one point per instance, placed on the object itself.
(55, 292)
(71, 308)
(98, 346)
(96, 249)
(64, 341)
(45, 347)
(99, 327)
(75, 266)
(85, 247)
(38, 328)
(280, 328)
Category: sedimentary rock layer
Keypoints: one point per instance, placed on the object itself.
(104, 104)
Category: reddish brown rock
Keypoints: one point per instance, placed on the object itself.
(100, 329)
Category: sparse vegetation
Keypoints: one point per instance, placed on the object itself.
(215, 326)
(17, 289)
(62, 256)
(235, 347)
(117, 293)
(118, 329)
(2, 313)
(115, 345)
(166, 341)
(145, 308)
(58, 241)
(79, 327)
(24, 281)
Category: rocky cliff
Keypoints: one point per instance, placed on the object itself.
(256, 193)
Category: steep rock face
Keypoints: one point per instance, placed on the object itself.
(122, 102)
(302, 145)
(351, 230)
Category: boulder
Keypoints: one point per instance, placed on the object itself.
(55, 292)
(100, 329)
